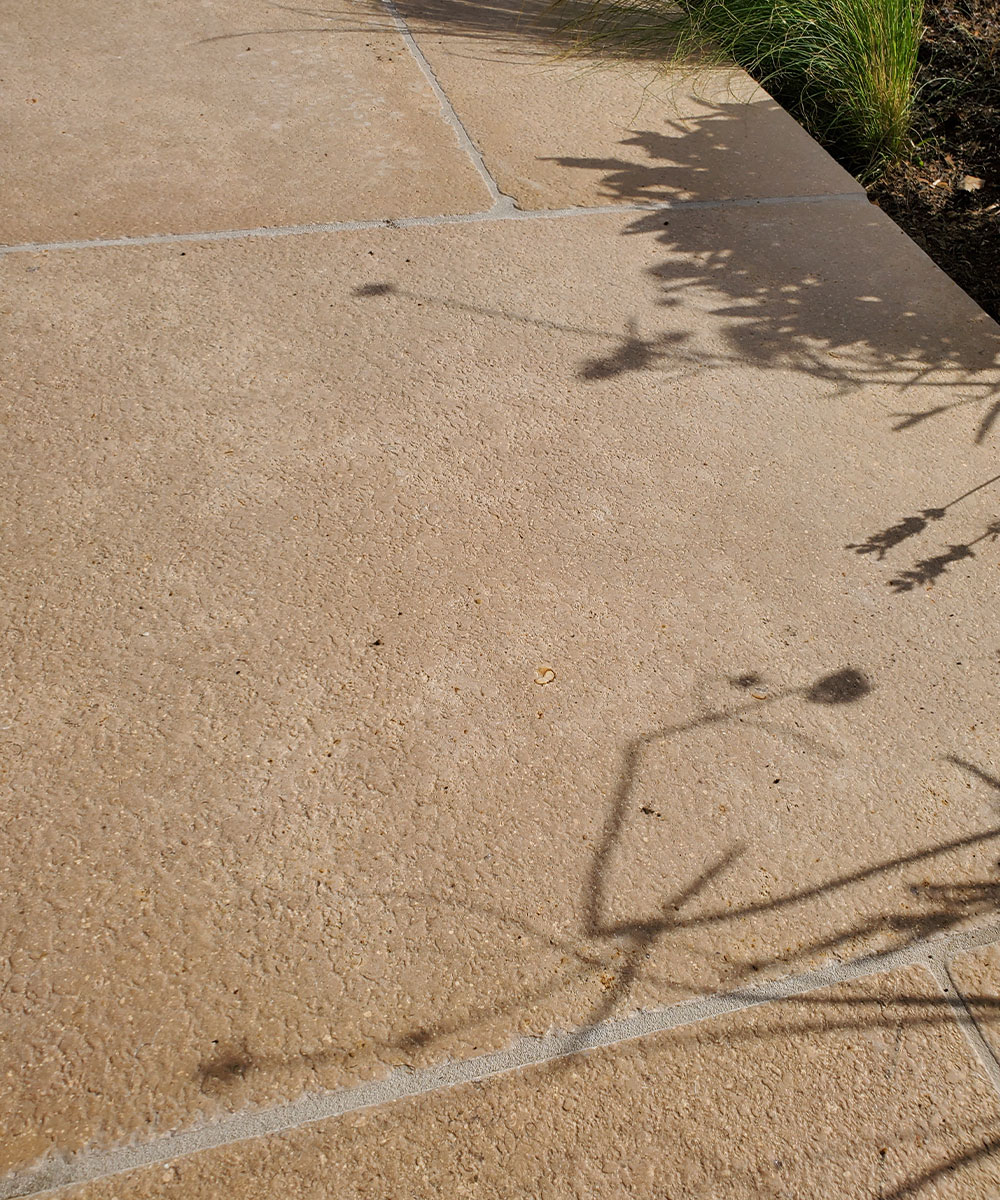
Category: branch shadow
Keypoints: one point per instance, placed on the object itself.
(913, 1187)
(519, 24)
(618, 950)
(781, 307)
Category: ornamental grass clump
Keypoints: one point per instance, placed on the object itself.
(845, 68)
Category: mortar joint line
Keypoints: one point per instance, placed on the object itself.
(501, 201)
(383, 223)
(940, 968)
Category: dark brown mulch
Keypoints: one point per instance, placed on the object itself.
(947, 194)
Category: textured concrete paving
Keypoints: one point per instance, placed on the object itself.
(426, 635)
(586, 134)
(164, 118)
(834, 1094)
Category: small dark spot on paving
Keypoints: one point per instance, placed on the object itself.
(226, 1067)
(650, 812)
(377, 642)
(748, 680)
(374, 289)
(416, 1038)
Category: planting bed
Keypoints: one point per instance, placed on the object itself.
(946, 195)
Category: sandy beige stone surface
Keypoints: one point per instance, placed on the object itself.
(421, 637)
(867, 1091)
(977, 976)
(133, 119)
(594, 132)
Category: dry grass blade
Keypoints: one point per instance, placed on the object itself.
(845, 68)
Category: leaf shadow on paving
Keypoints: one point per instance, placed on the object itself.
(788, 301)
(839, 319)
(782, 308)
(926, 571)
(846, 320)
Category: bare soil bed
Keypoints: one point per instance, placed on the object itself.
(946, 195)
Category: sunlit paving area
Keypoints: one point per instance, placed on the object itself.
(500, 570)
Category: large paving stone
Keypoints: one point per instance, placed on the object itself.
(419, 637)
(595, 131)
(867, 1091)
(171, 117)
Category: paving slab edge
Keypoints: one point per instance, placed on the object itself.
(59, 1171)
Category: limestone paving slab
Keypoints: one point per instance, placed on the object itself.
(868, 1091)
(135, 119)
(421, 637)
(597, 131)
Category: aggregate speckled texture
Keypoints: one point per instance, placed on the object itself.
(295, 533)
(424, 636)
(832, 1095)
(133, 119)
(590, 132)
